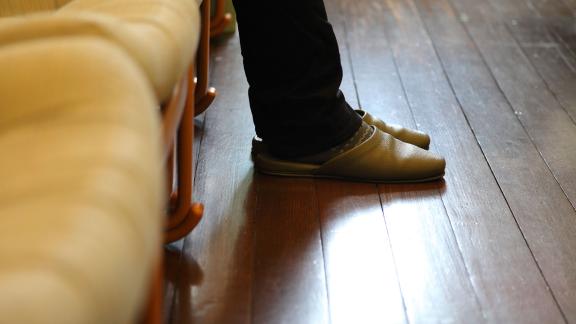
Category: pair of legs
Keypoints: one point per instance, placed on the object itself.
(292, 64)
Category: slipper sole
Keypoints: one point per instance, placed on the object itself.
(351, 179)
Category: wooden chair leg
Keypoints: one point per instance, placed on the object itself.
(192, 219)
(171, 189)
(153, 312)
(185, 215)
(205, 101)
(204, 94)
(220, 20)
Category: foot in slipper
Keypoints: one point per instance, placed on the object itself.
(380, 158)
(404, 134)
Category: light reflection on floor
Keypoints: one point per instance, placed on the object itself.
(354, 268)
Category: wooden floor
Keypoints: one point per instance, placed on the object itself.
(494, 83)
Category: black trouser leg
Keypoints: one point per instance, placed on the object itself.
(292, 64)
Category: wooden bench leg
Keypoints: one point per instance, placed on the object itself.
(153, 311)
(204, 94)
(183, 216)
(220, 20)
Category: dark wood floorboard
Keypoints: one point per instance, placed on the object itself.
(550, 9)
(571, 4)
(360, 267)
(558, 16)
(532, 23)
(564, 34)
(289, 277)
(222, 244)
(381, 93)
(546, 217)
(536, 107)
(172, 276)
(534, 26)
(483, 224)
(556, 68)
(435, 282)
(493, 83)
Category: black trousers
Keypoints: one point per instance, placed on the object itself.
(292, 64)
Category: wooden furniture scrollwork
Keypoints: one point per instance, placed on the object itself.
(191, 96)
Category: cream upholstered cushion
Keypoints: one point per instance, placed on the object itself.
(20, 7)
(160, 35)
(81, 194)
(82, 190)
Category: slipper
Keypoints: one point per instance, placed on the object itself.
(404, 134)
(379, 159)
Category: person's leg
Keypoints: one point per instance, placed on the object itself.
(293, 68)
(292, 64)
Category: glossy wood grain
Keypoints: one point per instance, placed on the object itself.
(535, 29)
(571, 4)
(360, 268)
(545, 216)
(533, 24)
(482, 221)
(565, 35)
(493, 243)
(289, 278)
(555, 67)
(221, 245)
(380, 92)
(536, 107)
(181, 272)
(550, 9)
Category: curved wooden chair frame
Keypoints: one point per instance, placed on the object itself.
(204, 94)
(153, 312)
(190, 97)
(221, 19)
(183, 215)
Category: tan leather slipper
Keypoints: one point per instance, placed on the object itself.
(404, 134)
(380, 159)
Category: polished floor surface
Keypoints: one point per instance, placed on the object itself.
(494, 83)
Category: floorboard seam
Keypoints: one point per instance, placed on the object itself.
(378, 189)
(510, 105)
(322, 249)
(253, 246)
(394, 60)
(426, 30)
(535, 69)
(464, 27)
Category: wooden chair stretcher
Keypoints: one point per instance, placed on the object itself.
(221, 18)
(191, 97)
(204, 94)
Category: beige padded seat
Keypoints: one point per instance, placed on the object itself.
(82, 190)
(160, 35)
(20, 7)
